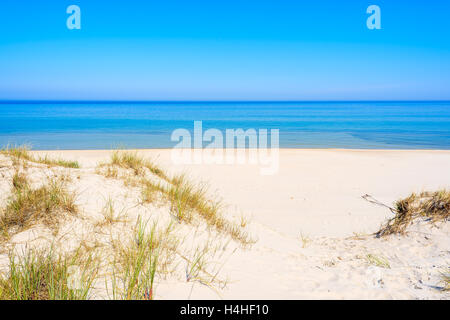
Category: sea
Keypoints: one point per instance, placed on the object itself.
(72, 125)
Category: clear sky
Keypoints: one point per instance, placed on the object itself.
(225, 50)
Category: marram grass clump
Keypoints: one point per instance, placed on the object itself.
(58, 162)
(19, 181)
(132, 160)
(45, 276)
(17, 152)
(433, 206)
(22, 153)
(136, 263)
(187, 200)
(28, 206)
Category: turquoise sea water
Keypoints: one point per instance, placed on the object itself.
(358, 125)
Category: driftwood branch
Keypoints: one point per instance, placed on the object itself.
(371, 199)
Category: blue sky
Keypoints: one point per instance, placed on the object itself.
(225, 50)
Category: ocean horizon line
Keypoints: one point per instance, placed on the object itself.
(32, 101)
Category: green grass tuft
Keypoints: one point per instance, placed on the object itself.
(40, 276)
(137, 264)
(378, 261)
(58, 162)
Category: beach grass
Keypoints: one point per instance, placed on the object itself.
(110, 215)
(196, 265)
(445, 275)
(305, 240)
(433, 206)
(28, 206)
(17, 152)
(21, 153)
(132, 160)
(150, 252)
(128, 160)
(137, 263)
(131, 267)
(150, 191)
(446, 279)
(19, 180)
(58, 162)
(40, 275)
(378, 261)
(187, 199)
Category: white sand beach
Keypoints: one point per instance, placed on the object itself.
(311, 226)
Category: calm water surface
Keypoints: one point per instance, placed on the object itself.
(385, 125)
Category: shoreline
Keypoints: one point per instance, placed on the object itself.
(295, 149)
